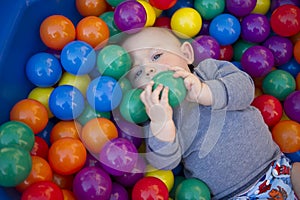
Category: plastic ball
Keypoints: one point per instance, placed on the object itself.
(285, 20)
(15, 165)
(91, 161)
(162, 5)
(56, 31)
(179, 4)
(209, 9)
(262, 7)
(118, 156)
(91, 7)
(92, 30)
(42, 95)
(291, 106)
(226, 52)
(40, 148)
(43, 69)
(128, 179)
(287, 135)
(270, 108)
(113, 61)
(130, 16)
(68, 194)
(205, 46)
(255, 28)
(132, 108)
(16, 133)
(151, 186)
(298, 82)
(96, 133)
(279, 84)
(276, 3)
(104, 94)
(62, 129)
(177, 181)
(78, 58)
(67, 156)
(296, 51)
(43, 190)
(108, 18)
(177, 90)
(225, 28)
(292, 67)
(239, 48)
(63, 181)
(125, 84)
(114, 3)
(40, 171)
(163, 22)
(30, 112)
(165, 176)
(80, 82)
(186, 22)
(92, 183)
(281, 47)
(257, 61)
(89, 113)
(205, 27)
(118, 192)
(150, 12)
(45, 133)
(192, 188)
(66, 102)
(240, 8)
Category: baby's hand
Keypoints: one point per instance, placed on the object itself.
(192, 83)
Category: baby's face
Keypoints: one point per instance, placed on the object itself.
(152, 53)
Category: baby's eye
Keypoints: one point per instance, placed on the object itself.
(156, 56)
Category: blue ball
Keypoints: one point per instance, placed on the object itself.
(43, 69)
(225, 28)
(104, 94)
(292, 66)
(66, 102)
(179, 4)
(78, 58)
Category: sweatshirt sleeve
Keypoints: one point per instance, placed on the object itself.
(231, 88)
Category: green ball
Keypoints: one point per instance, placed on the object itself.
(177, 181)
(239, 48)
(125, 84)
(114, 3)
(108, 18)
(192, 189)
(279, 83)
(132, 108)
(16, 133)
(15, 165)
(177, 90)
(113, 61)
(209, 9)
(89, 113)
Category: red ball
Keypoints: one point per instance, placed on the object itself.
(43, 190)
(162, 5)
(285, 20)
(226, 52)
(150, 188)
(163, 22)
(40, 148)
(270, 108)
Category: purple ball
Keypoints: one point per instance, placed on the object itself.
(281, 47)
(118, 156)
(128, 179)
(291, 106)
(257, 61)
(205, 46)
(255, 28)
(130, 16)
(91, 161)
(205, 27)
(131, 132)
(92, 183)
(118, 192)
(276, 3)
(240, 8)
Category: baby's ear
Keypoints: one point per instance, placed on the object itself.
(188, 52)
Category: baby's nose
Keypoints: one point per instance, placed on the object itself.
(149, 71)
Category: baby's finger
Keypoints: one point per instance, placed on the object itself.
(155, 94)
(146, 94)
(165, 96)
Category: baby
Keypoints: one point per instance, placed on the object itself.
(215, 132)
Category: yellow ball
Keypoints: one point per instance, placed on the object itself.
(262, 7)
(80, 82)
(165, 176)
(186, 22)
(151, 15)
(42, 95)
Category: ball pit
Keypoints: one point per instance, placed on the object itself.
(89, 119)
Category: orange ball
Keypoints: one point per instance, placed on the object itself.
(68, 194)
(286, 134)
(40, 171)
(67, 156)
(31, 112)
(91, 7)
(64, 129)
(56, 31)
(93, 30)
(296, 51)
(298, 81)
(96, 132)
